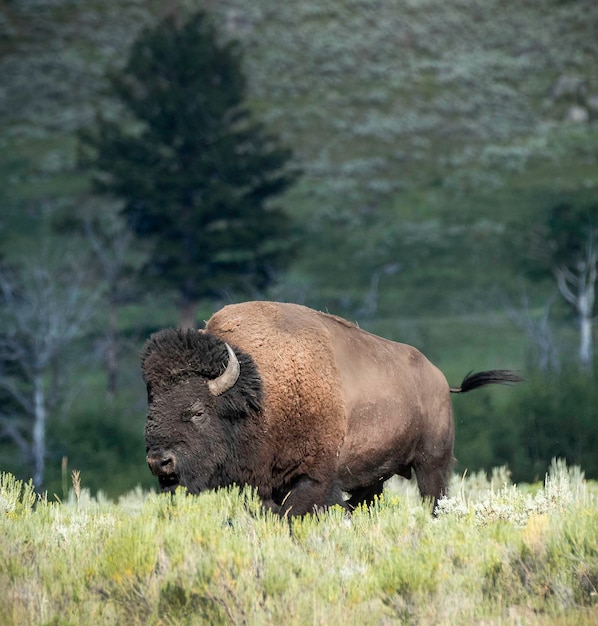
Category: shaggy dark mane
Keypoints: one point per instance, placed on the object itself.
(172, 355)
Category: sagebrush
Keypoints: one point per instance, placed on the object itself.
(496, 553)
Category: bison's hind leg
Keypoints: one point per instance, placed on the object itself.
(433, 479)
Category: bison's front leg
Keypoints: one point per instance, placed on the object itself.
(307, 495)
(365, 495)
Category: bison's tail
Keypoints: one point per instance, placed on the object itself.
(491, 377)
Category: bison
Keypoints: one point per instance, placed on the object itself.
(305, 407)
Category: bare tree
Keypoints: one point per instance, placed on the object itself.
(565, 244)
(42, 311)
(111, 242)
(577, 284)
(544, 349)
(370, 301)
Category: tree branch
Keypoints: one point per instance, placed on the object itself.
(563, 275)
(10, 430)
(16, 394)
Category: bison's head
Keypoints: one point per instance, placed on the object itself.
(200, 396)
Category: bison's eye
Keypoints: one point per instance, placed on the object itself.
(189, 415)
(194, 413)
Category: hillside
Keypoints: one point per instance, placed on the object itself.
(423, 128)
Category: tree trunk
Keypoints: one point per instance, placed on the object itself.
(586, 348)
(585, 308)
(187, 314)
(578, 287)
(112, 350)
(39, 431)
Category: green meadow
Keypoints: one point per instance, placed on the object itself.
(497, 553)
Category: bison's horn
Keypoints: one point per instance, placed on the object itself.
(229, 377)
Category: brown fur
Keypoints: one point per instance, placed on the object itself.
(339, 410)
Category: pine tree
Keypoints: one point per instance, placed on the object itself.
(195, 171)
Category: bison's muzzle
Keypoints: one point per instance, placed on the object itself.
(163, 466)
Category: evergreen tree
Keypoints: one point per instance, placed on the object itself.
(196, 173)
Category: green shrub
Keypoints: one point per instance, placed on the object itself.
(494, 550)
(16, 497)
(552, 416)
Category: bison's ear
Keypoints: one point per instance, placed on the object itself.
(229, 377)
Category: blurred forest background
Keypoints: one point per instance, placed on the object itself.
(426, 168)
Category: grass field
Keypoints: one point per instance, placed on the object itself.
(496, 554)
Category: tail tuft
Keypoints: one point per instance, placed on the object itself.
(491, 377)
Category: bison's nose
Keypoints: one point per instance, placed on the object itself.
(161, 464)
